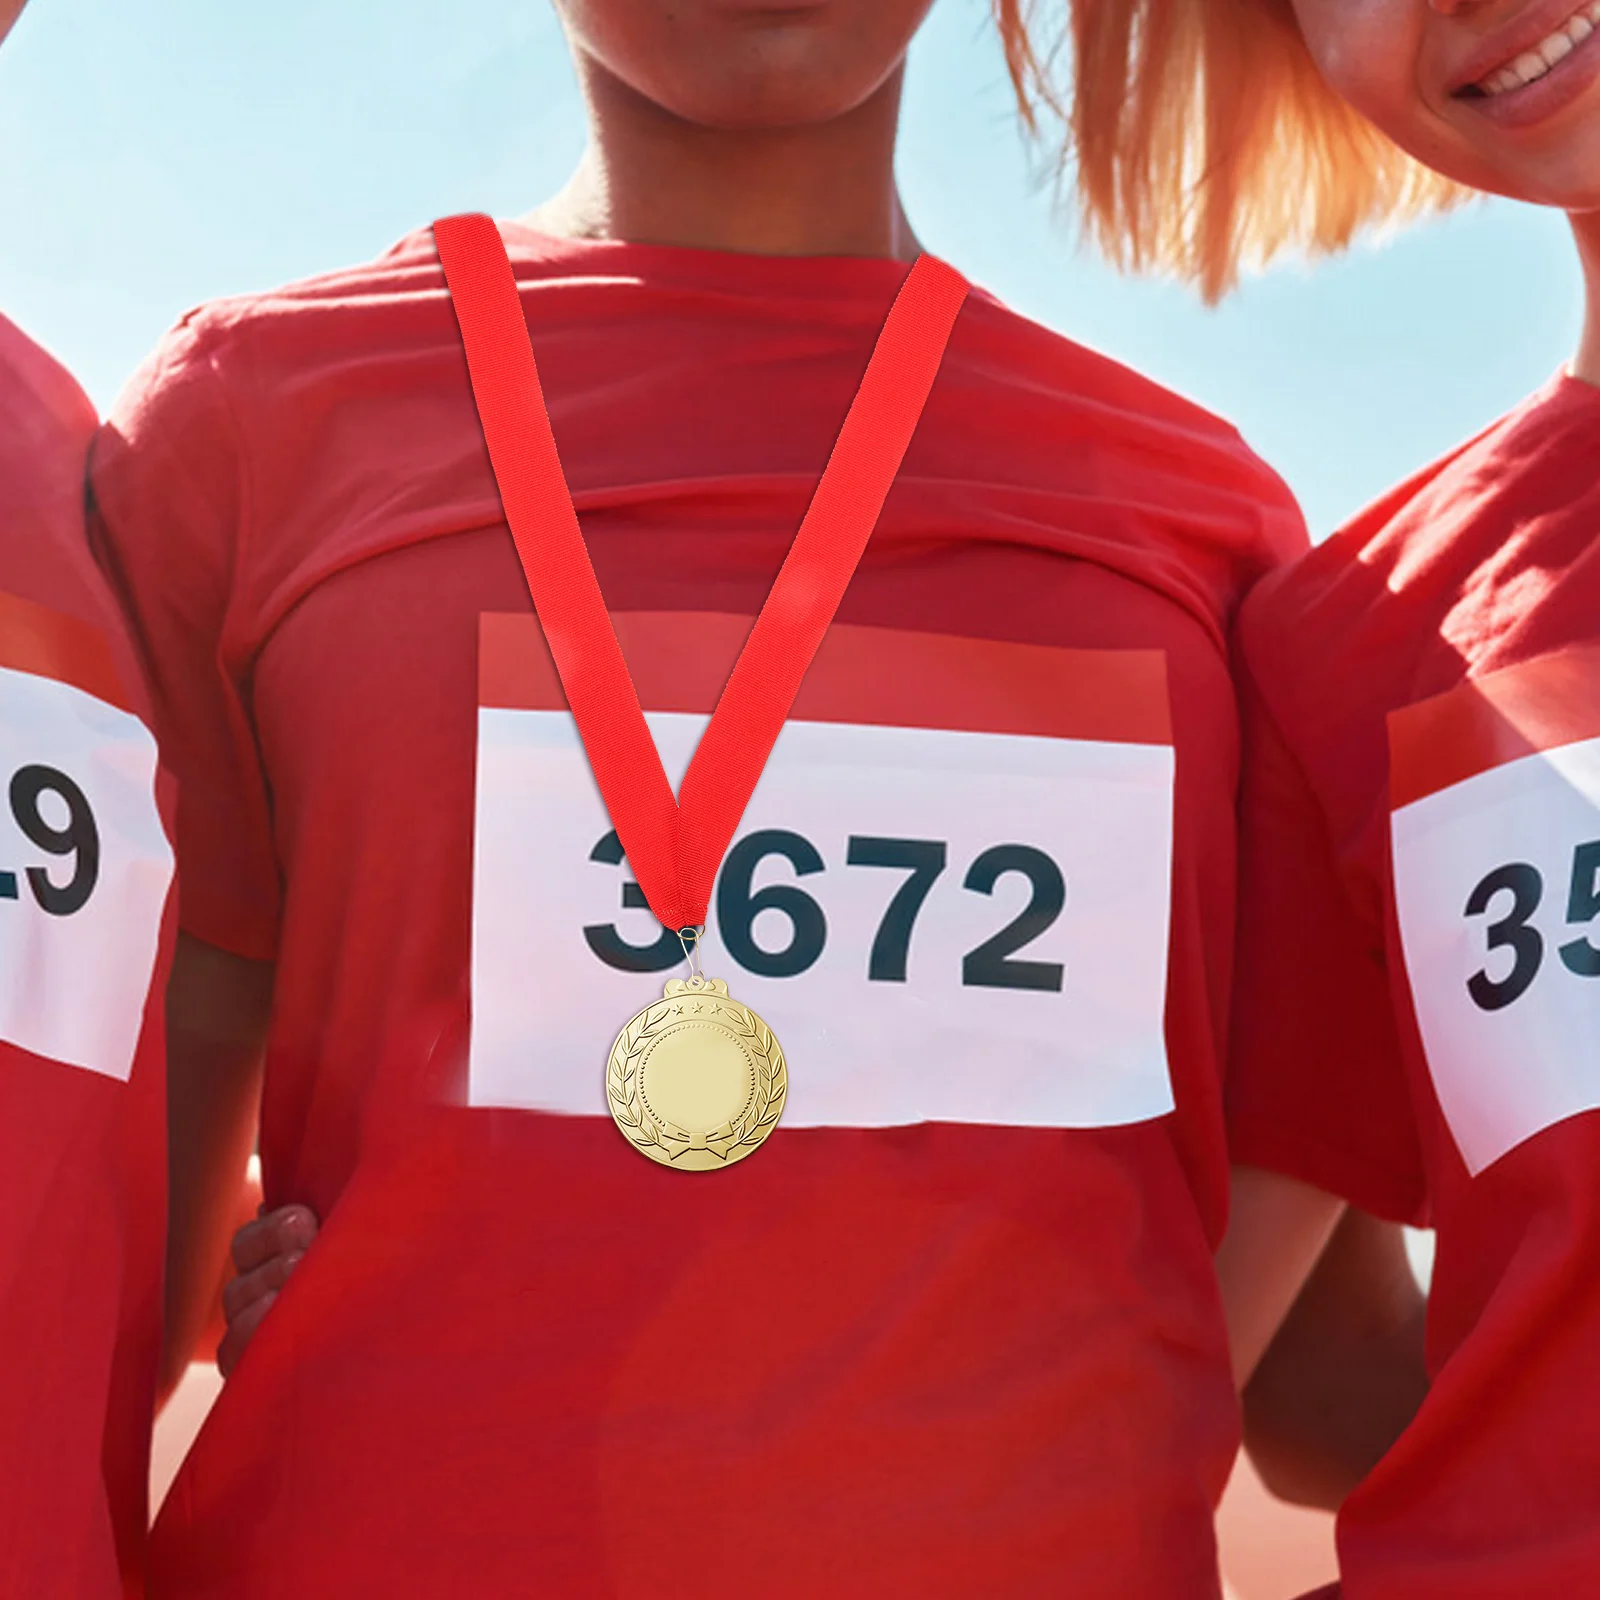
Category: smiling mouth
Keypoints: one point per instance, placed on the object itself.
(1543, 58)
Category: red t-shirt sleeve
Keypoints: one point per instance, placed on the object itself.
(1316, 1085)
(169, 516)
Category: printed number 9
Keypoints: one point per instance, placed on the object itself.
(79, 838)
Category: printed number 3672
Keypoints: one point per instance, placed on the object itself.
(992, 964)
(1514, 931)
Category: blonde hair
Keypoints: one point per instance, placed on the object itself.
(1203, 138)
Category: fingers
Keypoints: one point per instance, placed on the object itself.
(265, 1254)
(287, 1231)
(249, 1287)
(241, 1329)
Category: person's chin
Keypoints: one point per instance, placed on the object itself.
(790, 96)
(1566, 178)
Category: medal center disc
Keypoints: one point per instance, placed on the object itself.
(697, 1076)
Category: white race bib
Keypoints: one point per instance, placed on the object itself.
(84, 862)
(962, 923)
(1496, 839)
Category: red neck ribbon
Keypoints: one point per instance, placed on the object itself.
(675, 846)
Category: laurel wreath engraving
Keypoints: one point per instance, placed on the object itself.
(662, 1140)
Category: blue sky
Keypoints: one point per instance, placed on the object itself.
(155, 153)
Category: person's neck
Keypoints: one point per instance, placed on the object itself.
(1586, 230)
(650, 178)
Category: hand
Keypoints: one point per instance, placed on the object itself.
(265, 1253)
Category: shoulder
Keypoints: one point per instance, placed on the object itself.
(1427, 585)
(1128, 462)
(1034, 353)
(56, 611)
(245, 341)
(214, 403)
(1380, 593)
(1112, 403)
(46, 420)
(46, 423)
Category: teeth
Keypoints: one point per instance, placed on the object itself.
(1554, 48)
(1532, 65)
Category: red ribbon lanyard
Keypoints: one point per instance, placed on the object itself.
(676, 846)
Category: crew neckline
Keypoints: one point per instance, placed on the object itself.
(686, 263)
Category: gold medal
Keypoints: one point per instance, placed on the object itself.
(696, 1080)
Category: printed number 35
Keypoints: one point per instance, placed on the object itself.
(992, 964)
(1515, 930)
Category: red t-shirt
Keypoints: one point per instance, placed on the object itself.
(952, 1329)
(1417, 1023)
(84, 869)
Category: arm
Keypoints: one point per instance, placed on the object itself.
(1278, 1228)
(217, 1011)
(169, 494)
(1345, 1373)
